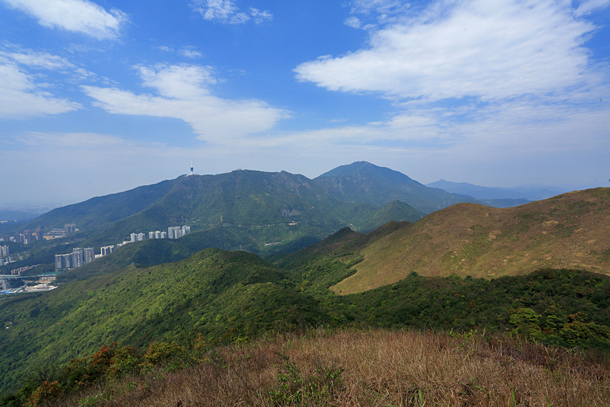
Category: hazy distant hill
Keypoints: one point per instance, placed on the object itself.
(478, 192)
(8, 215)
(566, 231)
(365, 182)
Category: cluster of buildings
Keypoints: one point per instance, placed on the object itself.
(27, 236)
(77, 258)
(81, 256)
(173, 232)
(4, 256)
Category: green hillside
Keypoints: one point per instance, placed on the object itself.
(264, 213)
(235, 296)
(218, 293)
(102, 210)
(365, 182)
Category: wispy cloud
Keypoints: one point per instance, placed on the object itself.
(22, 92)
(81, 16)
(477, 80)
(184, 92)
(186, 51)
(227, 12)
(475, 48)
(587, 6)
(190, 53)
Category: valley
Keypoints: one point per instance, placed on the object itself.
(274, 253)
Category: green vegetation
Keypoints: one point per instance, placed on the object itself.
(166, 304)
(236, 296)
(365, 182)
(263, 213)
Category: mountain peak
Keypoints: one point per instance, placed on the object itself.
(364, 168)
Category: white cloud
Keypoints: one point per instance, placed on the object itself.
(353, 22)
(184, 93)
(20, 94)
(227, 12)
(190, 53)
(41, 60)
(20, 97)
(478, 48)
(80, 16)
(377, 6)
(260, 16)
(587, 6)
(187, 51)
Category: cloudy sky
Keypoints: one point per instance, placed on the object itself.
(102, 96)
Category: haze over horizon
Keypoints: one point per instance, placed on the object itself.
(98, 97)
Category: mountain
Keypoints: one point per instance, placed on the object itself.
(103, 210)
(395, 272)
(566, 231)
(365, 182)
(261, 212)
(479, 192)
(278, 202)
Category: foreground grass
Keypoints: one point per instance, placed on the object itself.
(379, 368)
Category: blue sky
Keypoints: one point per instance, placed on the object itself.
(102, 96)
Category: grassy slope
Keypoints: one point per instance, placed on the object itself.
(567, 231)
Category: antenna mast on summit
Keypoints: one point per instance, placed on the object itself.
(192, 168)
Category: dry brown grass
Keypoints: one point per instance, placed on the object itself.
(380, 368)
(568, 231)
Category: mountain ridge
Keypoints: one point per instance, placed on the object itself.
(566, 231)
(365, 182)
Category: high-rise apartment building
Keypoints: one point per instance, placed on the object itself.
(89, 254)
(106, 250)
(63, 261)
(175, 232)
(77, 257)
(58, 262)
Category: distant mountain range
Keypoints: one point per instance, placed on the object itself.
(382, 262)
(478, 192)
(262, 212)
(262, 207)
